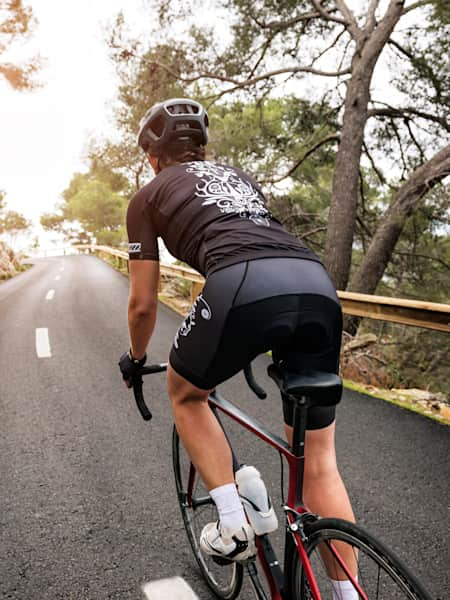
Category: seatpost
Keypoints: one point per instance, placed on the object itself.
(298, 441)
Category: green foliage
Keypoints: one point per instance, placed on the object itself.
(11, 222)
(93, 202)
(16, 21)
(52, 222)
(268, 137)
(412, 357)
(421, 261)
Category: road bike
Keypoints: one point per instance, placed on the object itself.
(316, 550)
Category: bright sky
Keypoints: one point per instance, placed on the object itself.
(43, 133)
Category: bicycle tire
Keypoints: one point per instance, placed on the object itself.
(381, 574)
(225, 581)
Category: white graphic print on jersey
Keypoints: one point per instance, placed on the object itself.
(222, 186)
(190, 320)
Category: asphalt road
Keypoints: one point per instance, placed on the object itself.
(87, 499)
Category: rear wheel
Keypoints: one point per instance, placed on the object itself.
(198, 509)
(380, 574)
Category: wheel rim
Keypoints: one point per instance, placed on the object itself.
(378, 577)
(197, 511)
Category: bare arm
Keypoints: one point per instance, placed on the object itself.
(142, 304)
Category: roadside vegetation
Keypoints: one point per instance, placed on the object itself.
(16, 23)
(343, 117)
(12, 224)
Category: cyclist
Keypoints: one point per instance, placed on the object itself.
(264, 290)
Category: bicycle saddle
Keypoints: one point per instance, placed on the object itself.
(321, 388)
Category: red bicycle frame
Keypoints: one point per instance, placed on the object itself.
(294, 506)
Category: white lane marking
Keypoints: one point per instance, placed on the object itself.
(174, 588)
(43, 343)
(50, 295)
(61, 268)
(58, 277)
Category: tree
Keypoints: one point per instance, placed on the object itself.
(93, 205)
(404, 203)
(16, 21)
(12, 223)
(276, 43)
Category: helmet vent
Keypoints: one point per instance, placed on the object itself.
(183, 109)
(184, 126)
(157, 126)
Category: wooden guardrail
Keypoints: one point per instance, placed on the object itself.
(429, 315)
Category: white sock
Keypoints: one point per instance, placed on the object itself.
(229, 506)
(344, 590)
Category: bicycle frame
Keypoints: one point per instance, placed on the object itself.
(301, 525)
(294, 509)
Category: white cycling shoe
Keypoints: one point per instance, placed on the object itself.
(225, 546)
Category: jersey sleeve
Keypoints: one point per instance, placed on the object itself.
(142, 234)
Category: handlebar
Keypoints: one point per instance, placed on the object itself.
(159, 368)
(137, 388)
(250, 378)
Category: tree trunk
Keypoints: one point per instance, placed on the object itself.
(406, 199)
(341, 222)
(342, 216)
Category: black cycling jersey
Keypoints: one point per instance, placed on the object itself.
(210, 216)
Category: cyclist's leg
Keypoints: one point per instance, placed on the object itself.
(205, 442)
(189, 382)
(323, 489)
(209, 450)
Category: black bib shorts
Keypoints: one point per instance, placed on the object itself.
(287, 305)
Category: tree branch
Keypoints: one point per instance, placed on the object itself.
(281, 25)
(247, 82)
(400, 48)
(371, 20)
(264, 49)
(439, 260)
(413, 137)
(399, 113)
(327, 14)
(349, 19)
(364, 226)
(379, 173)
(415, 5)
(400, 145)
(332, 45)
(334, 137)
(313, 231)
(266, 76)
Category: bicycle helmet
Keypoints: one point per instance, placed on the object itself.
(174, 120)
